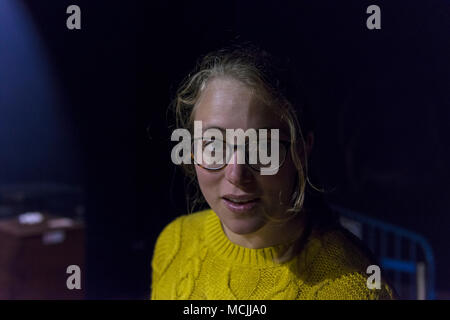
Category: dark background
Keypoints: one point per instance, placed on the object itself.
(381, 98)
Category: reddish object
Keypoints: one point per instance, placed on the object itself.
(34, 258)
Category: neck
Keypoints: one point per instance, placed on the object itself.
(271, 234)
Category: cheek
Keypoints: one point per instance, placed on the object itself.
(280, 186)
(209, 183)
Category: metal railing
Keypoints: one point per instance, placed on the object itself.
(405, 255)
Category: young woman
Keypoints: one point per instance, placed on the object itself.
(264, 236)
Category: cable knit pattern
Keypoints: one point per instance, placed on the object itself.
(194, 259)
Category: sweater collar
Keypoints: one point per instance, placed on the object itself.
(218, 241)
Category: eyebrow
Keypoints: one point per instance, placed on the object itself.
(267, 128)
(213, 127)
(222, 129)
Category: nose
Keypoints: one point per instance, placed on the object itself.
(238, 174)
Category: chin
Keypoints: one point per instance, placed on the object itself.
(241, 225)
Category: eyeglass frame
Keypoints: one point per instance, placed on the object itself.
(285, 143)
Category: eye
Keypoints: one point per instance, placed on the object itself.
(212, 145)
(265, 145)
(213, 153)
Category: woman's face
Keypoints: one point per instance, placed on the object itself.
(228, 104)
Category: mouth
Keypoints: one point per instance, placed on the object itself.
(240, 204)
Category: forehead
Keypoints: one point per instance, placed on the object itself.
(229, 104)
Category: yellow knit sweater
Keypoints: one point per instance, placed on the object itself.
(194, 259)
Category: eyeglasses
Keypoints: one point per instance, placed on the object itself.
(214, 153)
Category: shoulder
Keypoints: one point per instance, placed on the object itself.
(342, 250)
(339, 270)
(352, 286)
(188, 223)
(182, 228)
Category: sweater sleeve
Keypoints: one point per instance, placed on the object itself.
(339, 271)
(353, 286)
(166, 247)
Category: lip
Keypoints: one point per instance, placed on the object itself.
(240, 207)
(241, 197)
